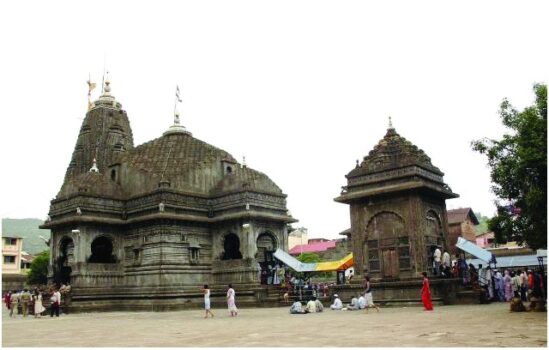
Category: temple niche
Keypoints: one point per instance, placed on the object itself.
(138, 225)
(398, 210)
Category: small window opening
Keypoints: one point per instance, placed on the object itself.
(113, 175)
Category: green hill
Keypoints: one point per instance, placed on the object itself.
(29, 231)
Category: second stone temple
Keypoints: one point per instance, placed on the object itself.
(398, 210)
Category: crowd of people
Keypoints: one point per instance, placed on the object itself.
(25, 302)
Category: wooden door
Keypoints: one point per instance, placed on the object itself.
(390, 263)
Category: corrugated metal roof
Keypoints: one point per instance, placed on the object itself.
(512, 261)
(474, 249)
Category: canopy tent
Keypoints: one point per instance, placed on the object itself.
(293, 263)
(517, 260)
(475, 250)
(338, 265)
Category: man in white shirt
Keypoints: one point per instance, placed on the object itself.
(55, 302)
(311, 306)
(437, 255)
(362, 302)
(337, 305)
(319, 306)
(446, 259)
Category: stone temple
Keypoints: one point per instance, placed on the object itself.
(146, 226)
(398, 210)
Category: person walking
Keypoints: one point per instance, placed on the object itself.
(38, 307)
(231, 301)
(368, 294)
(207, 307)
(7, 300)
(14, 302)
(26, 299)
(426, 293)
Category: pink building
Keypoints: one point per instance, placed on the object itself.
(313, 247)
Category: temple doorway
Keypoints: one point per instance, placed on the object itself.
(66, 253)
(231, 247)
(390, 266)
(386, 249)
(102, 251)
(266, 246)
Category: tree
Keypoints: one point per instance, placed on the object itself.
(518, 165)
(38, 273)
(308, 258)
(482, 226)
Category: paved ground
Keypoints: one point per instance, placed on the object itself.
(459, 325)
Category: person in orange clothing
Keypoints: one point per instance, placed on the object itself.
(426, 293)
(530, 280)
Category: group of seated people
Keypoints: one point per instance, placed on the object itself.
(357, 303)
(313, 305)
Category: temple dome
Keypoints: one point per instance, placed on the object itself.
(392, 152)
(187, 164)
(246, 179)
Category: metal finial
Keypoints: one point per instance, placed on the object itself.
(176, 119)
(107, 87)
(390, 123)
(244, 161)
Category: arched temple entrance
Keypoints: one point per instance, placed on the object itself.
(102, 251)
(266, 246)
(387, 248)
(231, 247)
(434, 236)
(65, 258)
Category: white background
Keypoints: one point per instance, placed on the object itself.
(301, 88)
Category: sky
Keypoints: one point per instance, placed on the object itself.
(301, 88)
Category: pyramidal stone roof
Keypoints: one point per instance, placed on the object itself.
(391, 152)
(394, 165)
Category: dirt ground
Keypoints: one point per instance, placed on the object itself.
(447, 326)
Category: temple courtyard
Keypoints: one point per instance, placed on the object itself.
(448, 326)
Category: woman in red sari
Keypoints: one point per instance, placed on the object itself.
(426, 293)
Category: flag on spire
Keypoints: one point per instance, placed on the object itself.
(177, 93)
(91, 86)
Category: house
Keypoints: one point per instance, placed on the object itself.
(297, 237)
(461, 223)
(11, 254)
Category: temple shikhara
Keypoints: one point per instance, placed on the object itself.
(398, 211)
(158, 220)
